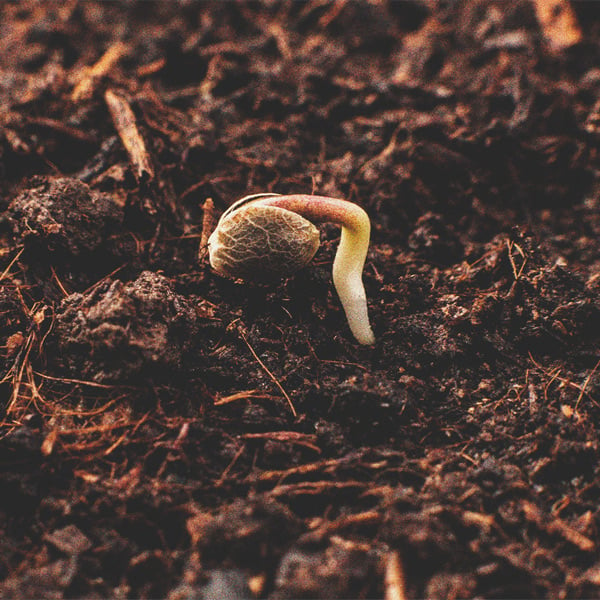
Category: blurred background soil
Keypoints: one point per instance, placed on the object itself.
(169, 433)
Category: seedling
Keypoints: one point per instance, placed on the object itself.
(268, 235)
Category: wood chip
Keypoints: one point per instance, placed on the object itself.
(70, 540)
(558, 22)
(124, 120)
(208, 223)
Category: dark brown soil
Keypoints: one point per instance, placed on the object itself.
(148, 445)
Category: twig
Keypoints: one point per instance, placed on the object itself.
(334, 10)
(395, 584)
(585, 383)
(76, 412)
(315, 488)
(101, 281)
(12, 262)
(228, 468)
(567, 382)
(243, 395)
(389, 149)
(59, 283)
(557, 526)
(20, 365)
(327, 466)
(293, 437)
(92, 75)
(324, 527)
(300, 470)
(62, 128)
(151, 68)
(126, 433)
(273, 378)
(95, 384)
(509, 247)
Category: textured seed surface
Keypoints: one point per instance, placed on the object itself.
(262, 242)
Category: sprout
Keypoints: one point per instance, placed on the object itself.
(267, 235)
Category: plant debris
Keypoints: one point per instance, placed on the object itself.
(147, 445)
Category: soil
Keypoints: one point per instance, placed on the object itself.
(167, 432)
